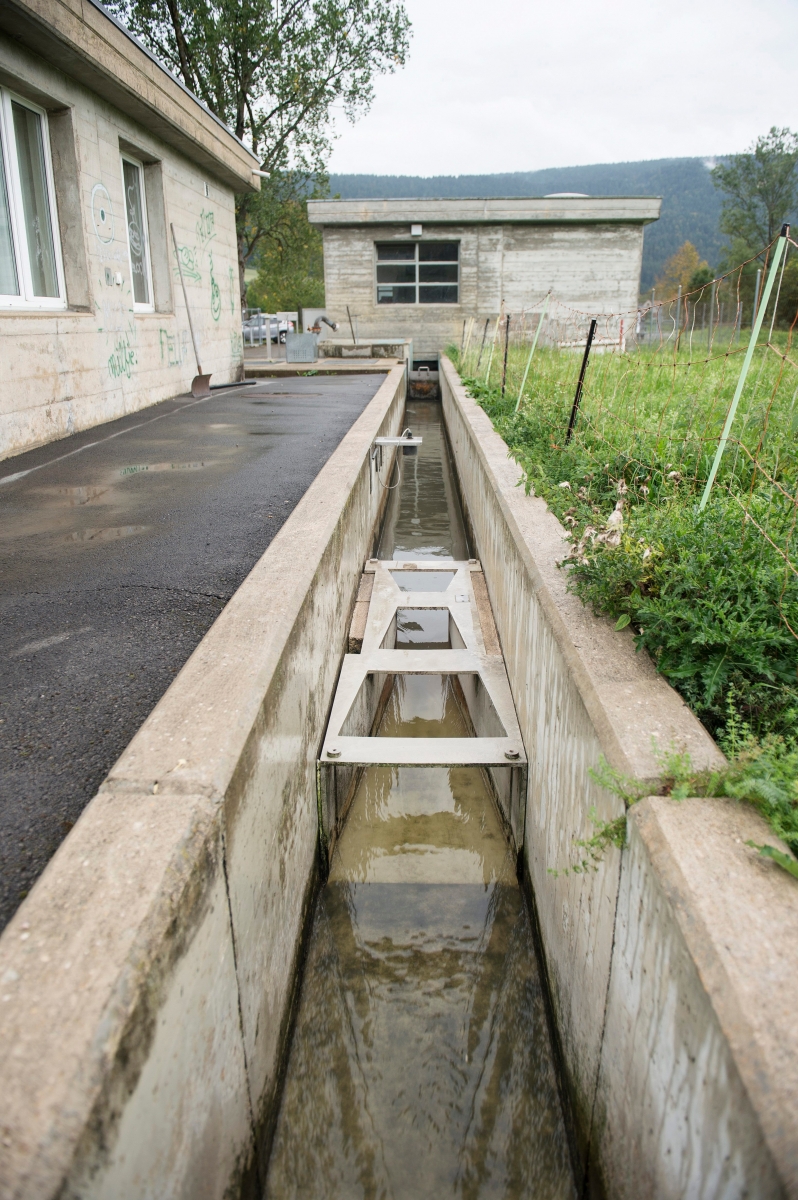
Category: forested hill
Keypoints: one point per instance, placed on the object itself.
(690, 203)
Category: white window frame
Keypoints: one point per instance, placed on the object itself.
(134, 162)
(26, 300)
(417, 303)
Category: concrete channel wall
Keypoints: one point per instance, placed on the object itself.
(146, 983)
(671, 968)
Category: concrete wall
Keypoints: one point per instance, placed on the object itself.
(146, 982)
(592, 266)
(96, 359)
(671, 968)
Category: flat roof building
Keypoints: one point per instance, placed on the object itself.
(102, 151)
(418, 268)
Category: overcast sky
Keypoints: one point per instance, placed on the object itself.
(500, 85)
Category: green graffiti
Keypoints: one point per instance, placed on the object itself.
(216, 295)
(189, 261)
(173, 351)
(206, 228)
(232, 292)
(123, 359)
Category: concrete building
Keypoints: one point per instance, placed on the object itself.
(417, 268)
(102, 150)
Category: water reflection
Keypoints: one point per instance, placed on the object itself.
(423, 518)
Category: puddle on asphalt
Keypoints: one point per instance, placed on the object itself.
(154, 468)
(420, 1064)
(111, 533)
(74, 496)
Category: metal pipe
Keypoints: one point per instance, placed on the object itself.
(724, 437)
(578, 395)
(532, 351)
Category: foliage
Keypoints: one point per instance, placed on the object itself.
(288, 252)
(705, 594)
(274, 72)
(761, 188)
(680, 270)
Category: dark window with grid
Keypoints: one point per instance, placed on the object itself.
(418, 272)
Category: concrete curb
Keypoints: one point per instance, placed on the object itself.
(147, 979)
(681, 1065)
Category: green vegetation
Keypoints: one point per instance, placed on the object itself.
(274, 73)
(711, 598)
(288, 251)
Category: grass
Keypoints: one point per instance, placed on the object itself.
(712, 596)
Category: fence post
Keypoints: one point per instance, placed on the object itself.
(506, 348)
(482, 347)
(532, 351)
(724, 437)
(578, 395)
(755, 309)
(711, 313)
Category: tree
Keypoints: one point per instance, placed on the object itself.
(273, 70)
(290, 257)
(761, 189)
(680, 270)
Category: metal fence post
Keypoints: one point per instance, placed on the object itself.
(724, 437)
(580, 383)
(532, 351)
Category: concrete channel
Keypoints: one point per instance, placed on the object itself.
(402, 698)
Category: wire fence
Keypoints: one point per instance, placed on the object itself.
(673, 398)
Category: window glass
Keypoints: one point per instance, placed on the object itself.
(437, 295)
(396, 295)
(9, 284)
(401, 273)
(396, 251)
(35, 200)
(420, 272)
(136, 231)
(437, 273)
(438, 251)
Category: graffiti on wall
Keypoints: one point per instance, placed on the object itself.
(190, 263)
(174, 347)
(206, 228)
(123, 359)
(216, 295)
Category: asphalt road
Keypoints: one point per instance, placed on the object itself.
(115, 561)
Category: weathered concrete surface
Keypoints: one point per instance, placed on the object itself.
(698, 1090)
(96, 357)
(182, 943)
(582, 691)
(511, 252)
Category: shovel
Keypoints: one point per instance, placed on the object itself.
(200, 384)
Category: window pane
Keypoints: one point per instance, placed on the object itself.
(9, 284)
(438, 251)
(396, 251)
(35, 200)
(437, 295)
(135, 232)
(396, 295)
(438, 273)
(404, 273)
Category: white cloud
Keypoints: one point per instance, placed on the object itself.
(510, 86)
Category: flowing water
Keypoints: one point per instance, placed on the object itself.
(420, 1064)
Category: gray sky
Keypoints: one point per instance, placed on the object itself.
(499, 85)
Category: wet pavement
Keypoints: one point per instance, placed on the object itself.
(421, 1064)
(119, 547)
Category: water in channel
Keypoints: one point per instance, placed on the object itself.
(420, 1064)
